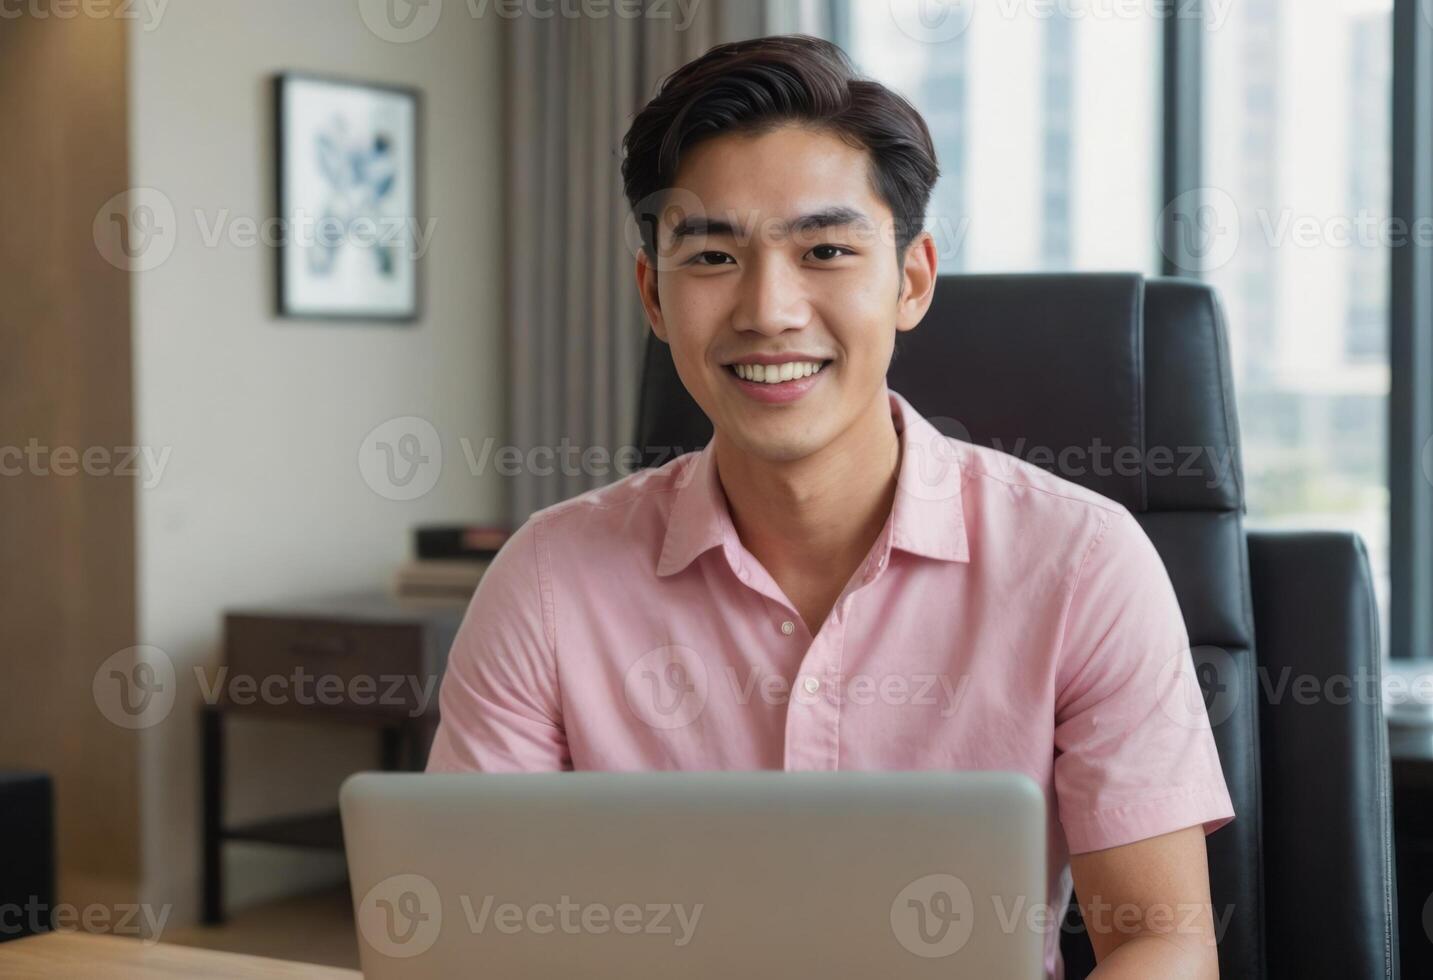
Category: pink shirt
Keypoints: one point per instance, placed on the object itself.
(1004, 619)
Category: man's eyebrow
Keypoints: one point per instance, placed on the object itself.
(700, 224)
(835, 216)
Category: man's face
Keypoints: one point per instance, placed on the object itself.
(740, 278)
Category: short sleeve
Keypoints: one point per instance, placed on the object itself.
(1134, 753)
(499, 704)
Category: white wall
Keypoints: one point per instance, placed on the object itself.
(261, 497)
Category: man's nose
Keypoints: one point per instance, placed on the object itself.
(773, 298)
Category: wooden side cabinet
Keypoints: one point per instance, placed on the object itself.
(366, 660)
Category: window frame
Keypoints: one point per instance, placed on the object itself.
(1410, 339)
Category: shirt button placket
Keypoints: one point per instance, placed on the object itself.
(813, 710)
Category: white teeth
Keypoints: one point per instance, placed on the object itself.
(776, 373)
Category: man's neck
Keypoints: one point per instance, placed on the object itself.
(816, 517)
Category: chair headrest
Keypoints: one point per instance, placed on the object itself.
(1111, 381)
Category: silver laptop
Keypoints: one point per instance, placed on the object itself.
(698, 875)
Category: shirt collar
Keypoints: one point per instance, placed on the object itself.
(927, 517)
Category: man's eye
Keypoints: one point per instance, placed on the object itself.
(717, 258)
(827, 250)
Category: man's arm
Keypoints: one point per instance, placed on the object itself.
(1147, 909)
(1137, 774)
(500, 703)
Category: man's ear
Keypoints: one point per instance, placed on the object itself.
(647, 289)
(918, 275)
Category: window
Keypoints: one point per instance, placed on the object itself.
(1046, 127)
(1047, 119)
(1297, 162)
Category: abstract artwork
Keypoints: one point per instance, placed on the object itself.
(347, 199)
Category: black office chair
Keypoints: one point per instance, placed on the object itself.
(1053, 361)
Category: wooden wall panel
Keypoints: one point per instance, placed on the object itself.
(67, 543)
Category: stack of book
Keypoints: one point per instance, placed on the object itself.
(449, 561)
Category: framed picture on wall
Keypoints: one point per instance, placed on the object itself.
(347, 180)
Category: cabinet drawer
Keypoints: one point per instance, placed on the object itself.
(297, 664)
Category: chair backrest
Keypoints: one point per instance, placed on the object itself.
(1121, 384)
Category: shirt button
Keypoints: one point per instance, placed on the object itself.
(788, 627)
(811, 685)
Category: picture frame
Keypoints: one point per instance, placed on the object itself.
(347, 155)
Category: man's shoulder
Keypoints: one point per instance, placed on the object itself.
(1090, 535)
(1011, 482)
(636, 502)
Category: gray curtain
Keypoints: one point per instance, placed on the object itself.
(575, 324)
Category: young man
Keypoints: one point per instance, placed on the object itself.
(831, 583)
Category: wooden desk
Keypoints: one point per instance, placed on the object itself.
(76, 955)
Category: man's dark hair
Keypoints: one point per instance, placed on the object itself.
(755, 86)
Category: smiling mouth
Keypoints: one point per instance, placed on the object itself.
(774, 374)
